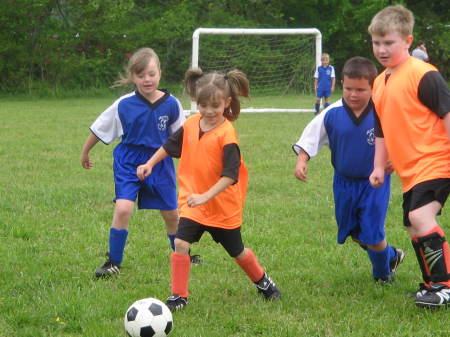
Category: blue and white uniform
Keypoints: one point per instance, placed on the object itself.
(324, 78)
(360, 209)
(144, 127)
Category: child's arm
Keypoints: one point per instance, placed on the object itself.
(379, 164)
(447, 123)
(88, 145)
(200, 199)
(143, 171)
(302, 166)
(333, 83)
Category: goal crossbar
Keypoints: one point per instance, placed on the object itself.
(255, 31)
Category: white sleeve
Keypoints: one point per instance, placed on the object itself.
(333, 74)
(180, 120)
(108, 127)
(316, 74)
(313, 137)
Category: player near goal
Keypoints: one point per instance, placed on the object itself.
(324, 82)
(212, 180)
(347, 126)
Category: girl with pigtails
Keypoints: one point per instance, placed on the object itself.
(212, 180)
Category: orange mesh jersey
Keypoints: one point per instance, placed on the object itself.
(415, 136)
(201, 166)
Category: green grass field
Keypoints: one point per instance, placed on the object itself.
(55, 216)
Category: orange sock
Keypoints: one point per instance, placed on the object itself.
(445, 253)
(181, 266)
(251, 266)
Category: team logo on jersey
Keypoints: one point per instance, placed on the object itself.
(162, 122)
(371, 136)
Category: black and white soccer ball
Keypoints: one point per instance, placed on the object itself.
(148, 317)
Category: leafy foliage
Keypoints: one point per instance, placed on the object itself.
(81, 44)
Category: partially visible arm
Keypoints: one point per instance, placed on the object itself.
(333, 83)
(143, 171)
(200, 199)
(88, 145)
(447, 123)
(379, 164)
(301, 169)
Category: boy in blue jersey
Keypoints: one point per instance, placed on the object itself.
(324, 81)
(347, 127)
(143, 119)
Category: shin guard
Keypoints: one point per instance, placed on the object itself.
(181, 265)
(432, 253)
(251, 266)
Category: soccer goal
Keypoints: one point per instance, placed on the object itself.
(279, 63)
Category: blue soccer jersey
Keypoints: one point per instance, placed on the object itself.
(351, 139)
(139, 122)
(144, 127)
(324, 77)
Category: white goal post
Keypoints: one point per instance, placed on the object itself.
(314, 55)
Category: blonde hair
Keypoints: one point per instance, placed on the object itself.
(136, 64)
(392, 19)
(325, 55)
(204, 87)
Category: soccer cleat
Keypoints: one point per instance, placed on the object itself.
(437, 295)
(268, 288)
(383, 281)
(109, 268)
(176, 302)
(395, 262)
(423, 289)
(195, 259)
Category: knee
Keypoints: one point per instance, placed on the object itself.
(181, 246)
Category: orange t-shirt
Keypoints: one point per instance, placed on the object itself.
(415, 137)
(200, 167)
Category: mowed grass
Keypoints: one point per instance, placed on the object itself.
(55, 217)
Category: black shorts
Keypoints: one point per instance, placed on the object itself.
(191, 231)
(424, 193)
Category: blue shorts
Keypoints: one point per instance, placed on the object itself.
(158, 191)
(323, 93)
(360, 209)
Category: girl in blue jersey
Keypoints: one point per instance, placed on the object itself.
(347, 127)
(144, 119)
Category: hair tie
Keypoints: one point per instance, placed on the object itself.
(225, 77)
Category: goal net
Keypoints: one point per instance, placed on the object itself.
(279, 63)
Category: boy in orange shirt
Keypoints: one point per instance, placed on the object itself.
(412, 101)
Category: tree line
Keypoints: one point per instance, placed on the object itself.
(83, 44)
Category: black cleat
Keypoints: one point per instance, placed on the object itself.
(109, 268)
(175, 303)
(437, 295)
(196, 259)
(268, 288)
(395, 262)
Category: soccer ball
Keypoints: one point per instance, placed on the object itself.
(148, 317)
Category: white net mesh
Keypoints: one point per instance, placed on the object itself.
(274, 64)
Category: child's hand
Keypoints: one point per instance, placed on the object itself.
(194, 200)
(143, 171)
(377, 177)
(85, 161)
(300, 170)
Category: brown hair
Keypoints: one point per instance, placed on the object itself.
(202, 87)
(136, 64)
(360, 67)
(392, 19)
